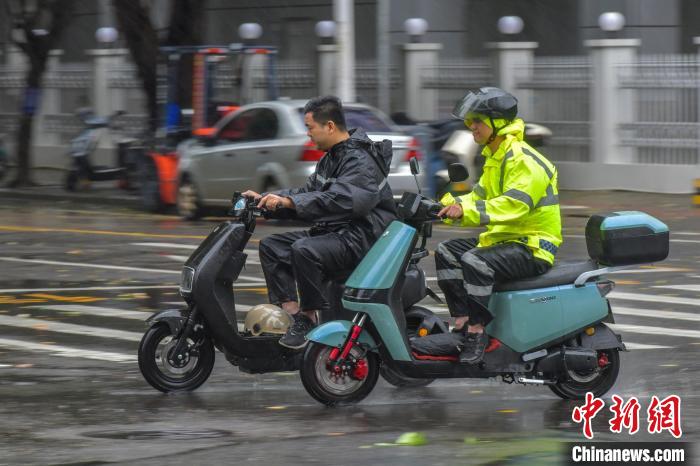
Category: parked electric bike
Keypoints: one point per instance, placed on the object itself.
(548, 330)
(177, 351)
(82, 171)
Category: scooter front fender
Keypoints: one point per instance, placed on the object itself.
(335, 333)
(174, 318)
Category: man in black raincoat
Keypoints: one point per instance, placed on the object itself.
(349, 201)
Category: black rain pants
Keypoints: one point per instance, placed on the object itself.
(466, 274)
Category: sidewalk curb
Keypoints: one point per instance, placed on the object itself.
(95, 197)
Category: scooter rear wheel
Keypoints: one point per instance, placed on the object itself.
(331, 388)
(598, 382)
(165, 375)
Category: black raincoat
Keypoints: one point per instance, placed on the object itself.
(349, 193)
(350, 203)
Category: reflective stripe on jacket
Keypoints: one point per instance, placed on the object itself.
(516, 198)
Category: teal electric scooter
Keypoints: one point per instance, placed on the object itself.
(548, 330)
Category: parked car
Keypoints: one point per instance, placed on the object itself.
(264, 147)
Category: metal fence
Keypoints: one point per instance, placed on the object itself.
(665, 95)
(559, 100)
(452, 78)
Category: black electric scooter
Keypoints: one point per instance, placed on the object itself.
(177, 351)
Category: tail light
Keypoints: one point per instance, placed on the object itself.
(311, 153)
(605, 287)
(413, 150)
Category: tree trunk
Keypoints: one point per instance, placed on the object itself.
(142, 41)
(36, 48)
(186, 27)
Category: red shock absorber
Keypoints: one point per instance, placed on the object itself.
(354, 335)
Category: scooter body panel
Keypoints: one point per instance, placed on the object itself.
(524, 320)
(383, 319)
(384, 261)
(334, 333)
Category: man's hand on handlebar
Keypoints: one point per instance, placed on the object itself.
(453, 211)
(251, 195)
(273, 202)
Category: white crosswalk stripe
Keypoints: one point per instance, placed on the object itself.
(651, 298)
(75, 329)
(645, 330)
(96, 311)
(65, 351)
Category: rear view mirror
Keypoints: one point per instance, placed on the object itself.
(457, 172)
(415, 168)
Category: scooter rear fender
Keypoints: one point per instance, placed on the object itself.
(174, 318)
(336, 332)
(603, 338)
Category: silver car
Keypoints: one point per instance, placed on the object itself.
(264, 147)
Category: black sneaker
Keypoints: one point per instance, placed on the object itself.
(474, 347)
(295, 338)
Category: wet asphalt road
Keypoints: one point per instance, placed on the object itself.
(76, 282)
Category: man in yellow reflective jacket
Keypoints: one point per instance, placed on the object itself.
(516, 199)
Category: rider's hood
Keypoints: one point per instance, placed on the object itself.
(383, 149)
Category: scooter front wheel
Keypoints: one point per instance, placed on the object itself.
(331, 385)
(163, 372)
(597, 382)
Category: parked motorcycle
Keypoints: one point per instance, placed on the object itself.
(177, 351)
(548, 330)
(82, 172)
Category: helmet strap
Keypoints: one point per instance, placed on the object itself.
(495, 132)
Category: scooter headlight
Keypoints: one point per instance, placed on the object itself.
(186, 280)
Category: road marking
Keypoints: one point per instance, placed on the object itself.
(86, 288)
(94, 232)
(643, 329)
(686, 233)
(649, 313)
(66, 351)
(680, 287)
(182, 259)
(642, 346)
(166, 245)
(654, 298)
(60, 327)
(70, 299)
(653, 269)
(96, 311)
(684, 241)
(573, 207)
(93, 266)
(112, 267)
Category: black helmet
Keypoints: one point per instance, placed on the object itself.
(489, 101)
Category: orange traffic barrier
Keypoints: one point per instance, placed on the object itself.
(696, 197)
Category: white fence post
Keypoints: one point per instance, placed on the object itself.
(253, 73)
(50, 103)
(512, 62)
(419, 59)
(610, 106)
(106, 100)
(327, 69)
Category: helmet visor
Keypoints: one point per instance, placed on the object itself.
(467, 105)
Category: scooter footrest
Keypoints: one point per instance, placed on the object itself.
(430, 357)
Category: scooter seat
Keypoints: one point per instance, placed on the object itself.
(563, 273)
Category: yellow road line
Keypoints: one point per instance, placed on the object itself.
(102, 232)
(68, 299)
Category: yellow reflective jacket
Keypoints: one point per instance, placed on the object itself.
(516, 198)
